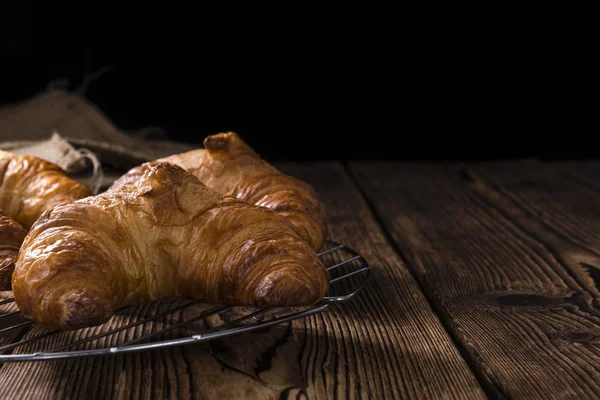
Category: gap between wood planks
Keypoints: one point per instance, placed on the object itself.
(536, 219)
(481, 184)
(563, 255)
(350, 210)
(490, 390)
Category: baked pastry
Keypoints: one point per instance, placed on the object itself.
(11, 236)
(28, 187)
(230, 166)
(165, 236)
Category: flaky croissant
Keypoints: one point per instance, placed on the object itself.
(11, 237)
(230, 166)
(28, 187)
(165, 236)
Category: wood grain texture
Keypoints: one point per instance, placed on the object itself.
(7, 337)
(388, 337)
(504, 253)
(386, 343)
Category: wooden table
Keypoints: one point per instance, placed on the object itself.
(485, 284)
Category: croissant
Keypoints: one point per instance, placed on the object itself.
(28, 187)
(230, 166)
(165, 236)
(11, 236)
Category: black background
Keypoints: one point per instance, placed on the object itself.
(306, 85)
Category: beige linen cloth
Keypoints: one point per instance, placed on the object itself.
(71, 115)
(44, 125)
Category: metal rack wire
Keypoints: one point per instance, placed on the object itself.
(170, 323)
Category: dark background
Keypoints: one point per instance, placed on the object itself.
(313, 85)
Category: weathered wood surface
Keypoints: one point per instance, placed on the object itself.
(389, 335)
(386, 343)
(508, 255)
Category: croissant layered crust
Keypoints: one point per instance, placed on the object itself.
(165, 236)
(28, 187)
(230, 166)
(11, 237)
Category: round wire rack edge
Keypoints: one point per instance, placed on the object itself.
(359, 267)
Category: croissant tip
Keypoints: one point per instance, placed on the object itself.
(281, 294)
(80, 311)
(219, 141)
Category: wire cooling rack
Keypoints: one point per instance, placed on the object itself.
(164, 324)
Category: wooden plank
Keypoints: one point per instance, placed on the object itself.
(562, 206)
(497, 251)
(586, 172)
(389, 336)
(385, 343)
(10, 320)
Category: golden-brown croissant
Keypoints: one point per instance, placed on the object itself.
(165, 236)
(230, 166)
(11, 237)
(28, 187)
